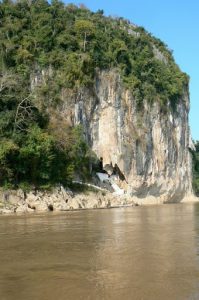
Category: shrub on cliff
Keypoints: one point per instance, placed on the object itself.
(195, 156)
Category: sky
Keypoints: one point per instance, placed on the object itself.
(176, 23)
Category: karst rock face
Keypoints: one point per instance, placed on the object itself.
(115, 79)
(150, 146)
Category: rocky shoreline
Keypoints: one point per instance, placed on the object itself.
(61, 199)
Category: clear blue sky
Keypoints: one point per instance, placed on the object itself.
(176, 22)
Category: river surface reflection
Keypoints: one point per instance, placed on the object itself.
(128, 253)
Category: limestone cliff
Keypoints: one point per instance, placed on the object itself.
(150, 147)
(108, 74)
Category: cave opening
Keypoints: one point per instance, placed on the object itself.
(111, 171)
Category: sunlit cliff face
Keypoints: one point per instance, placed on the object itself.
(150, 146)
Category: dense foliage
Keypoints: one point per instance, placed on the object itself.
(196, 168)
(70, 44)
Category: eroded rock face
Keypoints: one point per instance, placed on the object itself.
(150, 147)
(61, 199)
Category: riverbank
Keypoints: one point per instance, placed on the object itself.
(61, 199)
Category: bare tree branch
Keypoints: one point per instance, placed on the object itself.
(24, 114)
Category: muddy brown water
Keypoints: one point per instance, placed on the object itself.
(133, 253)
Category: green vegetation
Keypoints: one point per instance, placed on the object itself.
(67, 44)
(196, 169)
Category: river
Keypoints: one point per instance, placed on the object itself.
(138, 253)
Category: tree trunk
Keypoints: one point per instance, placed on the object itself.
(85, 36)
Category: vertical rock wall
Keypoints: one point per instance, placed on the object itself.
(151, 147)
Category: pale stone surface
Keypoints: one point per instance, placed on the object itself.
(190, 198)
(55, 201)
(6, 211)
(151, 147)
(22, 209)
(61, 200)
